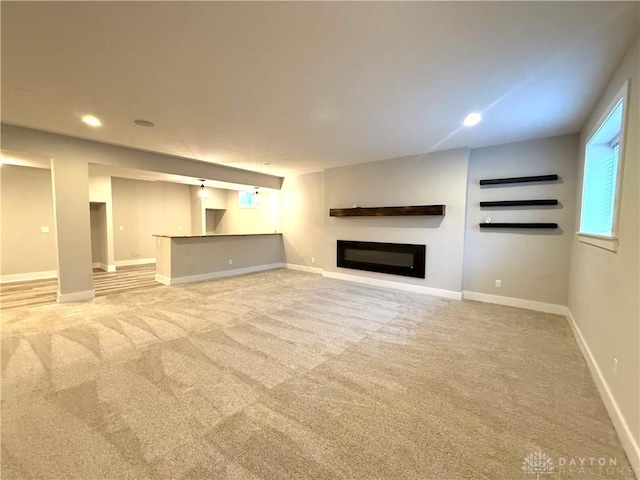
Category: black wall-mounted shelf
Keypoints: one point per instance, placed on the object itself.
(518, 225)
(387, 211)
(519, 203)
(536, 178)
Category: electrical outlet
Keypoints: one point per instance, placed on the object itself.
(121, 228)
(498, 283)
(44, 229)
(231, 261)
(615, 366)
(313, 259)
(179, 228)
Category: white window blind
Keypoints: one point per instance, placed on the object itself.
(601, 176)
(599, 194)
(247, 199)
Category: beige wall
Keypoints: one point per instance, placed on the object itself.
(303, 217)
(604, 287)
(532, 264)
(143, 209)
(202, 213)
(265, 218)
(197, 212)
(216, 198)
(26, 205)
(186, 259)
(99, 188)
(437, 178)
(215, 207)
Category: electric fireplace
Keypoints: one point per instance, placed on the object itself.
(394, 258)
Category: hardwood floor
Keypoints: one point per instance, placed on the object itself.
(125, 279)
(41, 292)
(28, 294)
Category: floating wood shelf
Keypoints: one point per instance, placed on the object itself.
(519, 203)
(518, 225)
(387, 211)
(537, 178)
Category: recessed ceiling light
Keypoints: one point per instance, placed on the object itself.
(472, 119)
(92, 121)
(144, 123)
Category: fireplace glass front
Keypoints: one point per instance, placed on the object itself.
(394, 258)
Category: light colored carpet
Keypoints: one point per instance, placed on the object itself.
(286, 375)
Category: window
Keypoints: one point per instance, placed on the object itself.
(602, 178)
(248, 199)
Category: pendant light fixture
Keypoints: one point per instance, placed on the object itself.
(202, 193)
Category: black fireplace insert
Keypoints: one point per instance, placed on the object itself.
(394, 258)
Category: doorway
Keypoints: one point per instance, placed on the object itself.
(98, 217)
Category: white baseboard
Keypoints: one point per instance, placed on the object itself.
(134, 261)
(515, 302)
(76, 296)
(24, 277)
(105, 267)
(303, 268)
(210, 276)
(629, 443)
(407, 287)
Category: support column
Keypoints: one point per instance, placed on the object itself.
(70, 182)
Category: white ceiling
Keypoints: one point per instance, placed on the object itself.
(308, 85)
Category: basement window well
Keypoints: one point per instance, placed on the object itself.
(602, 181)
(248, 199)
